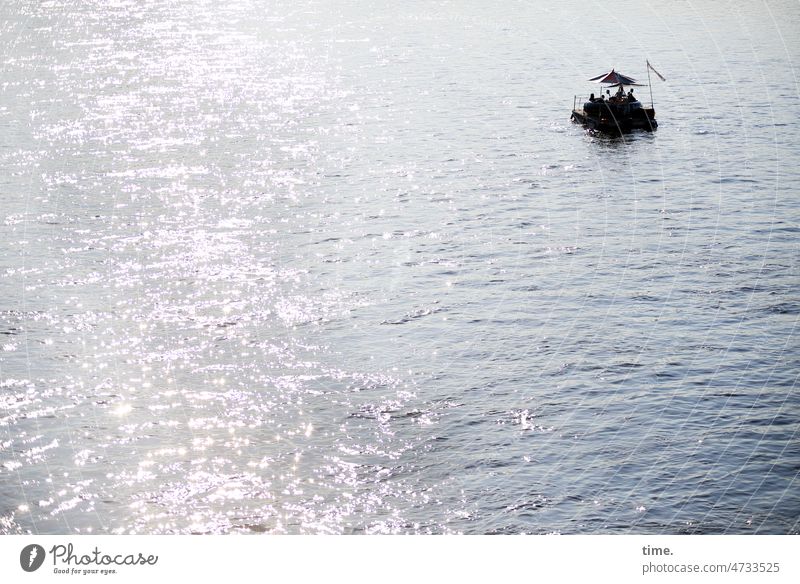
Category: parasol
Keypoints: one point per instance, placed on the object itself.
(613, 78)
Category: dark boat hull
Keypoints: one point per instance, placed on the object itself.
(609, 122)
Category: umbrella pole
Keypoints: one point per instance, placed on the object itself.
(650, 85)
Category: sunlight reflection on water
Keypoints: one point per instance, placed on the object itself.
(272, 270)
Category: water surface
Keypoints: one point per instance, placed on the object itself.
(300, 267)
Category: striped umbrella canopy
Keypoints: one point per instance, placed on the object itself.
(628, 85)
(614, 78)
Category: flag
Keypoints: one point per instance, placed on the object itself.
(660, 76)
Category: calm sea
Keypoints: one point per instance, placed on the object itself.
(347, 267)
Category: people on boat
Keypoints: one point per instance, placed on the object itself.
(617, 111)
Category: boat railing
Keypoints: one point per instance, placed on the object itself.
(579, 100)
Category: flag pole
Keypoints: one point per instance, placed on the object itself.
(650, 84)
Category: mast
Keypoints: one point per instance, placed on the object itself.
(650, 85)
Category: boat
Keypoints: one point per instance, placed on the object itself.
(616, 113)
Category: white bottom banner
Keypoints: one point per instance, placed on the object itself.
(390, 559)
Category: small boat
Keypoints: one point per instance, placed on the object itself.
(617, 113)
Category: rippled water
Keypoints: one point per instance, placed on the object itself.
(307, 267)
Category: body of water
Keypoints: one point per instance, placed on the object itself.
(310, 267)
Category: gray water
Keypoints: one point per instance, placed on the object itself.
(308, 267)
